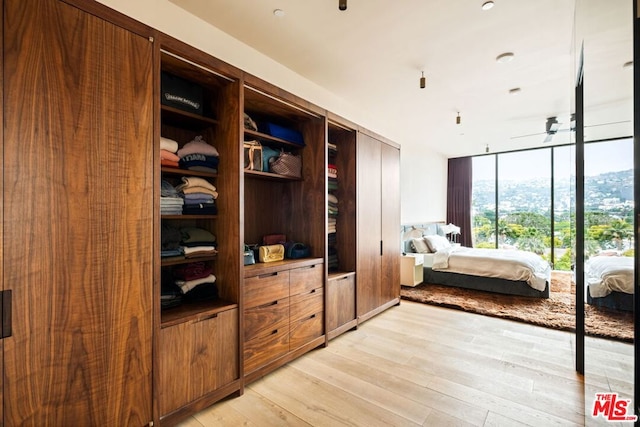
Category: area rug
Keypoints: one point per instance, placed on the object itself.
(557, 312)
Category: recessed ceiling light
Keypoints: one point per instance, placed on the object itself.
(278, 12)
(504, 57)
(628, 64)
(514, 91)
(487, 5)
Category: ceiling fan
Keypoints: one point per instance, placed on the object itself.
(552, 127)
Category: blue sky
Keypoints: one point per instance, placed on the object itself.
(600, 157)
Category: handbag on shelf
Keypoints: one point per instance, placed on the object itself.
(249, 257)
(267, 154)
(271, 253)
(253, 155)
(274, 239)
(287, 164)
(297, 250)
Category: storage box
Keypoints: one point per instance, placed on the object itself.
(290, 135)
(180, 93)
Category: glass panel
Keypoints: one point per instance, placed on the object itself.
(563, 206)
(483, 202)
(524, 201)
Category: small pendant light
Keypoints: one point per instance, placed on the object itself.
(458, 118)
(423, 81)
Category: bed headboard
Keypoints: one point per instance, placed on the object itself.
(411, 231)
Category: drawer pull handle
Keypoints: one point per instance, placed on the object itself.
(313, 316)
(275, 331)
(269, 304)
(211, 316)
(262, 276)
(343, 278)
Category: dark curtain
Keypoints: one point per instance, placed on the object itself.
(459, 197)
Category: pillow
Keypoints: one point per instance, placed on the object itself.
(437, 243)
(420, 246)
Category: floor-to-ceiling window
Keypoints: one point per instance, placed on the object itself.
(608, 198)
(483, 201)
(522, 200)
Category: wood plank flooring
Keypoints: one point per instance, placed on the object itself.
(419, 365)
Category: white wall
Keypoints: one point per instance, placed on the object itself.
(423, 186)
(424, 172)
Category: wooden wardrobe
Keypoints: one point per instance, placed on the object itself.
(78, 217)
(85, 340)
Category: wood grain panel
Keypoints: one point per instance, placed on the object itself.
(265, 318)
(2, 287)
(203, 367)
(266, 288)
(78, 170)
(341, 301)
(304, 279)
(265, 348)
(305, 330)
(390, 187)
(369, 223)
(304, 305)
(227, 345)
(176, 343)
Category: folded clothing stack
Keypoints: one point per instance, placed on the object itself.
(171, 202)
(199, 196)
(168, 149)
(197, 242)
(197, 155)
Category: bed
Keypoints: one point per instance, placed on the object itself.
(509, 272)
(609, 282)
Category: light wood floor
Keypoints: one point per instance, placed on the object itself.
(419, 365)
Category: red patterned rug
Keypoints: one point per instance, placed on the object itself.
(557, 312)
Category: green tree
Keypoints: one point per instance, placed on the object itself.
(618, 231)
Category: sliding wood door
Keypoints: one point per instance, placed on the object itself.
(77, 218)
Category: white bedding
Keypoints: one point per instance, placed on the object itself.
(606, 274)
(500, 263)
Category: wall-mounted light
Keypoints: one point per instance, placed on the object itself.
(458, 120)
(342, 4)
(423, 81)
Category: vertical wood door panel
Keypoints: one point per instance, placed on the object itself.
(369, 223)
(390, 186)
(77, 218)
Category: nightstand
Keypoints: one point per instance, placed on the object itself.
(411, 269)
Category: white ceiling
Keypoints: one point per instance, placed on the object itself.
(373, 54)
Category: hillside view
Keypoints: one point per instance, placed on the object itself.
(524, 215)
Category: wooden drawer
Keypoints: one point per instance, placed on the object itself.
(304, 305)
(266, 288)
(266, 318)
(305, 330)
(341, 301)
(265, 348)
(304, 279)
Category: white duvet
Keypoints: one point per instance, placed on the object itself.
(500, 263)
(606, 274)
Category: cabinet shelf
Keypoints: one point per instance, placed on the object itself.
(184, 119)
(271, 139)
(339, 274)
(269, 176)
(178, 261)
(189, 216)
(187, 172)
(194, 311)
